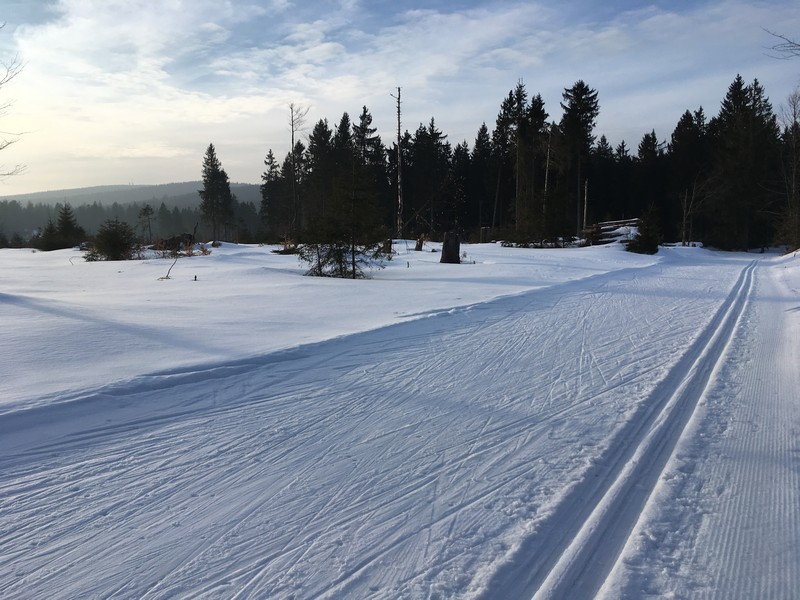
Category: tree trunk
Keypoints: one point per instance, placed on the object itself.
(451, 248)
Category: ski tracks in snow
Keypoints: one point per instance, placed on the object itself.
(490, 450)
(575, 549)
(725, 517)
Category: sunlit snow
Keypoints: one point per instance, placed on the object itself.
(559, 423)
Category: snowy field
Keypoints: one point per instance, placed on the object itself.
(532, 423)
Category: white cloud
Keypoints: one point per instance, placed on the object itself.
(132, 79)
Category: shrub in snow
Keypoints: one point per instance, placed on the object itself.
(115, 240)
(648, 237)
(342, 259)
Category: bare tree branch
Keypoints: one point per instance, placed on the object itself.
(786, 48)
(8, 71)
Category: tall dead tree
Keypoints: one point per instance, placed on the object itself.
(297, 118)
(399, 171)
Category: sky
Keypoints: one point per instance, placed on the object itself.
(133, 91)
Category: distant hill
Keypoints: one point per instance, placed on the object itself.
(26, 214)
(173, 194)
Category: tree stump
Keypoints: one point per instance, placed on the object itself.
(451, 249)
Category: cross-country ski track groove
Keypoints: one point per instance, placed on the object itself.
(396, 463)
(589, 529)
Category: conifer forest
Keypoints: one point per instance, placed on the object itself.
(538, 176)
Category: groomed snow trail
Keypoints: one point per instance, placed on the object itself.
(724, 522)
(582, 540)
(425, 460)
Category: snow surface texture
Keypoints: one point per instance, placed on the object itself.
(549, 424)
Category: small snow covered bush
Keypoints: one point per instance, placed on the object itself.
(115, 240)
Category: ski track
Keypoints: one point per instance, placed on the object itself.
(725, 516)
(487, 452)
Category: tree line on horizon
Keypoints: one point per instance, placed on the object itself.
(729, 181)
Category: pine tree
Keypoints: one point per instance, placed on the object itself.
(602, 172)
(789, 230)
(275, 209)
(503, 159)
(364, 138)
(49, 238)
(455, 189)
(116, 240)
(742, 184)
(320, 173)
(689, 163)
(145, 218)
(70, 233)
(648, 237)
(216, 198)
(651, 181)
(348, 237)
(164, 219)
(581, 108)
(478, 189)
(426, 176)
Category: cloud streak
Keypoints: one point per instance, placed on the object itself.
(125, 91)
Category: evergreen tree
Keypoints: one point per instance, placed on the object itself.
(650, 182)
(275, 211)
(479, 186)
(503, 158)
(373, 156)
(602, 172)
(648, 237)
(789, 230)
(178, 221)
(742, 197)
(531, 155)
(216, 198)
(581, 108)
(70, 233)
(455, 190)
(145, 218)
(426, 174)
(116, 240)
(689, 164)
(348, 238)
(49, 238)
(164, 219)
(320, 173)
(366, 142)
(406, 153)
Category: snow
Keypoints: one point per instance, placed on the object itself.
(531, 423)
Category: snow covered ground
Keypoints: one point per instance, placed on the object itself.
(533, 423)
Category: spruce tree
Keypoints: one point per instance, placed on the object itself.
(581, 108)
(689, 163)
(145, 221)
(275, 209)
(216, 198)
(648, 237)
(319, 180)
(116, 240)
(70, 233)
(789, 229)
(742, 198)
(479, 183)
(348, 237)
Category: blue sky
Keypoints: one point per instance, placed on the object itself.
(132, 91)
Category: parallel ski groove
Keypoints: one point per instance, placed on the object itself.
(572, 561)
